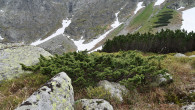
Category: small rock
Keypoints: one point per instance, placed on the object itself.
(95, 104)
(56, 94)
(115, 89)
(162, 79)
(179, 55)
(189, 107)
(192, 56)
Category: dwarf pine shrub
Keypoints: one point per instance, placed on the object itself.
(166, 41)
(128, 68)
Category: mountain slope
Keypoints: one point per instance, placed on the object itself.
(34, 20)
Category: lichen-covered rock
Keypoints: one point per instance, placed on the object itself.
(59, 45)
(115, 89)
(162, 79)
(56, 94)
(11, 55)
(95, 104)
(189, 107)
(179, 55)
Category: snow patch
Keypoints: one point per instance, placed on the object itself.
(65, 24)
(80, 43)
(139, 6)
(180, 8)
(188, 22)
(1, 11)
(159, 2)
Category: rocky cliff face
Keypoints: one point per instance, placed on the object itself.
(29, 20)
(181, 3)
(96, 18)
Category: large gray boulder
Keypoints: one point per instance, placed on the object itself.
(115, 89)
(11, 55)
(59, 45)
(56, 94)
(95, 104)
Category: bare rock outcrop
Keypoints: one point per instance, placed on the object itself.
(56, 94)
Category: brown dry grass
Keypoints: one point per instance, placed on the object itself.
(13, 92)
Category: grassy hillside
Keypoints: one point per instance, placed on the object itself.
(151, 19)
(159, 16)
(141, 18)
(13, 92)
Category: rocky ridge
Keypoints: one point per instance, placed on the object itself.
(28, 21)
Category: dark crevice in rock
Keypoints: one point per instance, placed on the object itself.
(44, 89)
(49, 85)
(26, 103)
(58, 85)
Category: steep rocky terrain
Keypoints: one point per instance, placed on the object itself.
(31, 20)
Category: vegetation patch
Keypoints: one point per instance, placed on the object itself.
(13, 92)
(166, 41)
(142, 18)
(163, 18)
(128, 68)
(160, 17)
(98, 93)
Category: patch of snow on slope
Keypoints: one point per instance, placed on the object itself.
(90, 45)
(65, 24)
(180, 8)
(159, 2)
(139, 6)
(1, 38)
(188, 22)
(1, 11)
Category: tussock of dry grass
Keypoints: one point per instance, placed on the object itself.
(13, 92)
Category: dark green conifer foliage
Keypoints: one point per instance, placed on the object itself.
(129, 68)
(166, 41)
